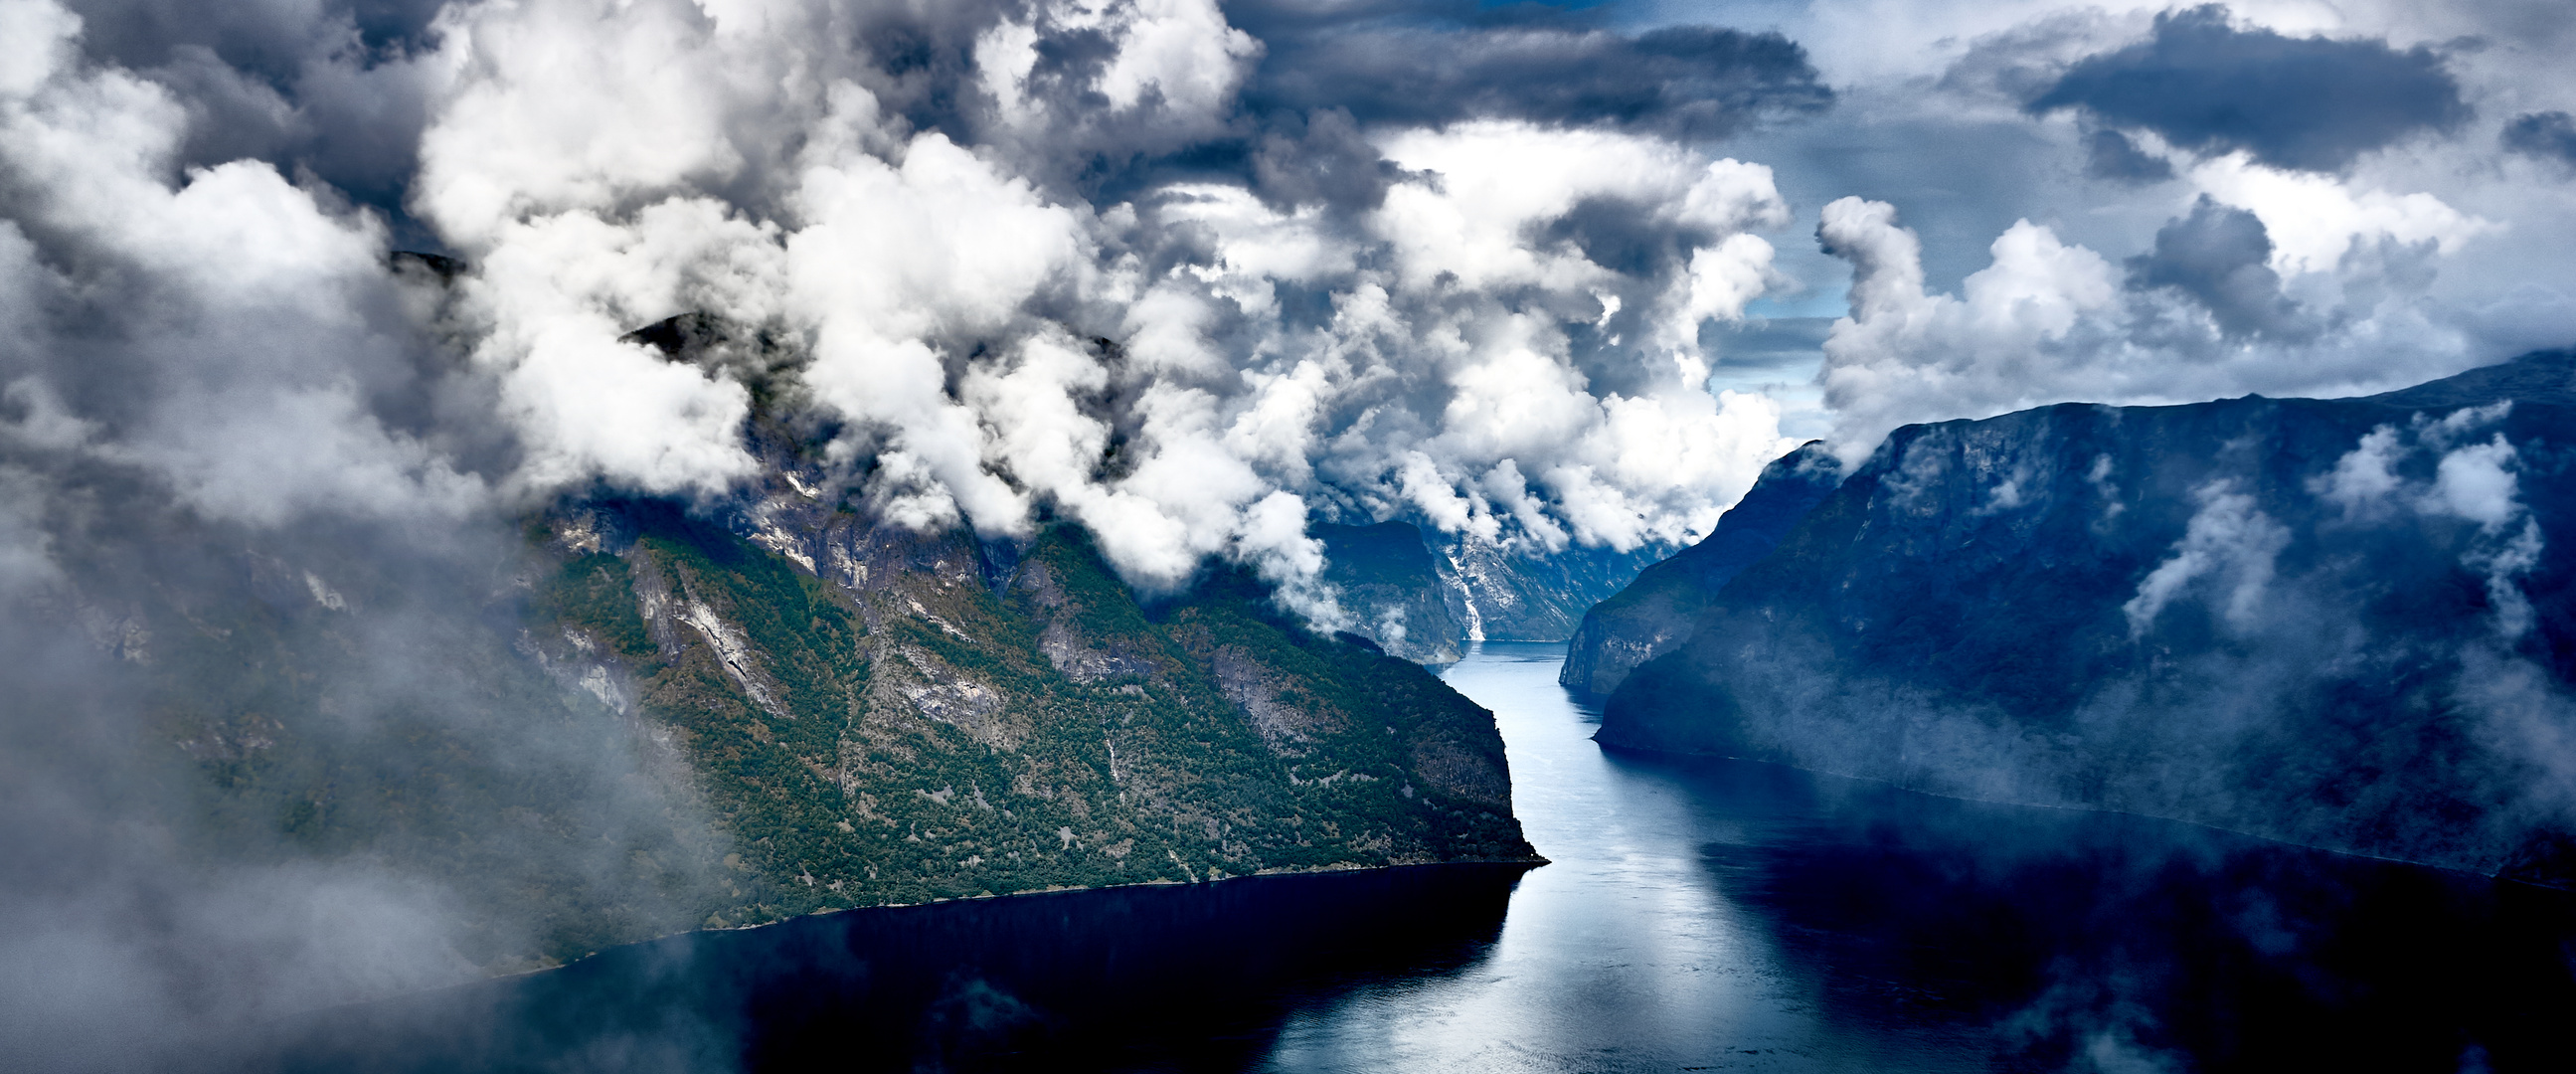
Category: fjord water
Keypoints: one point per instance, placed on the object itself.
(1698, 915)
(1626, 953)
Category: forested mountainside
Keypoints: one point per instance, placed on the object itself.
(1654, 613)
(911, 720)
(2348, 623)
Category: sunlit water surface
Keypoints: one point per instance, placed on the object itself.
(1697, 915)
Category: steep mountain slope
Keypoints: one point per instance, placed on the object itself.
(877, 714)
(915, 721)
(1654, 613)
(2346, 623)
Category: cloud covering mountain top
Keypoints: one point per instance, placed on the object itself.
(996, 241)
(1194, 274)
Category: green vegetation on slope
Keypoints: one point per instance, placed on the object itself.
(924, 737)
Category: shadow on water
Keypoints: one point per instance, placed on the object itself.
(2096, 941)
(1151, 978)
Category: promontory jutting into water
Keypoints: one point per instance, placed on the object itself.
(1696, 915)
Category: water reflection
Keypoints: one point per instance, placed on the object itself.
(1699, 915)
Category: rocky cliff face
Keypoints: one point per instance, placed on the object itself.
(1654, 614)
(2345, 623)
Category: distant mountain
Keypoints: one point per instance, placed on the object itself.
(1387, 580)
(1423, 599)
(2347, 623)
(1654, 613)
(1516, 593)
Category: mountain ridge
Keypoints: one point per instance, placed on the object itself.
(2329, 622)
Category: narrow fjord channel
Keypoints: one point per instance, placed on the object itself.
(1627, 952)
(1697, 915)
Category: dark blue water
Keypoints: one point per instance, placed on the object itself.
(1701, 915)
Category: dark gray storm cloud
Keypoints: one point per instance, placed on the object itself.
(2109, 154)
(331, 88)
(326, 88)
(1327, 74)
(2220, 256)
(2310, 103)
(1437, 61)
(2546, 135)
(271, 38)
(1319, 158)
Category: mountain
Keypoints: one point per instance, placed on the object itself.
(617, 717)
(2346, 623)
(878, 715)
(882, 714)
(1654, 613)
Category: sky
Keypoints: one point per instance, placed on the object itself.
(1196, 274)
